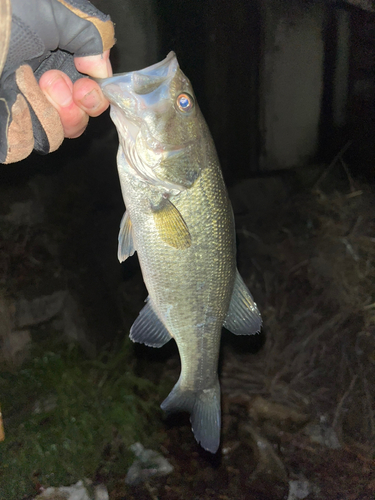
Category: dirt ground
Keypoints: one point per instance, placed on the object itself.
(298, 400)
(298, 412)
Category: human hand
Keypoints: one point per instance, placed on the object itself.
(76, 102)
(45, 35)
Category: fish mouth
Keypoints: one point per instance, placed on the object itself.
(122, 89)
(149, 76)
(135, 91)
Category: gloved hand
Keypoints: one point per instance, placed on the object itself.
(45, 35)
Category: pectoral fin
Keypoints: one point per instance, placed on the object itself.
(170, 224)
(243, 316)
(148, 329)
(126, 247)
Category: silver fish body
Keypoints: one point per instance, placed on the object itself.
(179, 219)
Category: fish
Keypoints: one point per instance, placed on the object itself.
(179, 220)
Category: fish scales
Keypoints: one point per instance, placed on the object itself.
(207, 264)
(179, 220)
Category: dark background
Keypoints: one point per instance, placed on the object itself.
(305, 248)
(219, 45)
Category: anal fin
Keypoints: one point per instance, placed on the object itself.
(148, 329)
(243, 316)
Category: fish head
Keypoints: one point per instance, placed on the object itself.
(161, 129)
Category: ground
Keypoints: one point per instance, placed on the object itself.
(297, 400)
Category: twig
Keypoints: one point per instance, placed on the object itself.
(349, 249)
(298, 266)
(2, 434)
(345, 167)
(333, 162)
(369, 402)
(355, 193)
(249, 234)
(355, 226)
(342, 401)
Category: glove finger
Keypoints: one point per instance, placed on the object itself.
(62, 61)
(7, 99)
(72, 25)
(47, 127)
(6, 23)
(43, 26)
(93, 31)
(19, 135)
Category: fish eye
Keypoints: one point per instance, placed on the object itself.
(185, 102)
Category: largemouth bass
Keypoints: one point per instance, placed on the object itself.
(179, 219)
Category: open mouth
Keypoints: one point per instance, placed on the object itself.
(142, 82)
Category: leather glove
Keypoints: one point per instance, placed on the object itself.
(45, 35)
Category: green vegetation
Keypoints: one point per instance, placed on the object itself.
(67, 418)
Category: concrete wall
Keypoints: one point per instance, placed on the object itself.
(257, 68)
(291, 82)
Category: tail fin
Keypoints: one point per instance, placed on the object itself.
(204, 409)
